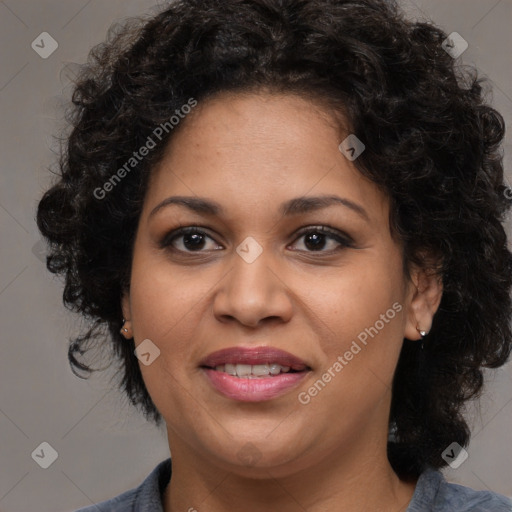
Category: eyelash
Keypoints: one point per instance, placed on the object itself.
(344, 240)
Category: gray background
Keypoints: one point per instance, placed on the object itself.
(105, 447)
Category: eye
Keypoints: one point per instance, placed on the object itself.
(315, 239)
(193, 239)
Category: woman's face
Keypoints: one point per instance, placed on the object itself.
(249, 278)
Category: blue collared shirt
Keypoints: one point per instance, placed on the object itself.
(432, 494)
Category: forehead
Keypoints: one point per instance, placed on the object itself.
(260, 149)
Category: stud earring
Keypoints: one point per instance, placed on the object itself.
(422, 333)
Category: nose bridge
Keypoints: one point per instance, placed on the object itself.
(251, 272)
(252, 290)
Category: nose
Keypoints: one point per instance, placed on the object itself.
(253, 293)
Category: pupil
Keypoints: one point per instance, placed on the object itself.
(197, 243)
(319, 240)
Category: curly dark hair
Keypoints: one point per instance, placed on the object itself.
(432, 145)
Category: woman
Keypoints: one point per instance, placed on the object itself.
(288, 214)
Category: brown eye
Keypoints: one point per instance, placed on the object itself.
(316, 239)
(191, 239)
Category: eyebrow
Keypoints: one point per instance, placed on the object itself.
(298, 205)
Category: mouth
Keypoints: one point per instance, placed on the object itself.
(253, 374)
(254, 362)
(254, 371)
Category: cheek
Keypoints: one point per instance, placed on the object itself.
(164, 306)
(360, 335)
(360, 316)
(351, 299)
(162, 296)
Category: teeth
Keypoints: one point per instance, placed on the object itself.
(252, 371)
(260, 369)
(243, 370)
(275, 369)
(230, 368)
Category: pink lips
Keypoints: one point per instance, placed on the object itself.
(253, 355)
(253, 390)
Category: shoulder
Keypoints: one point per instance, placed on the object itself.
(434, 493)
(147, 496)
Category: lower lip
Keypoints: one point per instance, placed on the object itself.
(253, 390)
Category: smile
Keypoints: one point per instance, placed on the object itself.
(253, 374)
(255, 371)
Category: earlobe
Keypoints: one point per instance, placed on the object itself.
(426, 293)
(126, 330)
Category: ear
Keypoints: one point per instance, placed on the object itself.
(125, 306)
(425, 292)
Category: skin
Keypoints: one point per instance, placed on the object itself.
(250, 153)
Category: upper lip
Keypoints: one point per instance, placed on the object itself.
(253, 355)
